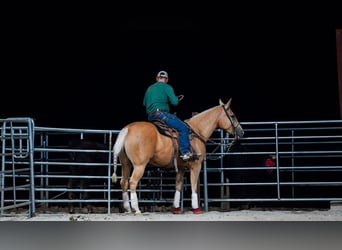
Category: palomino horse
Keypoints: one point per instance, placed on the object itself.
(140, 143)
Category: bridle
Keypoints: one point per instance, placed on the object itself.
(232, 119)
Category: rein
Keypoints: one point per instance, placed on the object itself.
(218, 144)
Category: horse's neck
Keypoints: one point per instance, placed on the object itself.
(204, 123)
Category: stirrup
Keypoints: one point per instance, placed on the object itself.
(186, 156)
(190, 156)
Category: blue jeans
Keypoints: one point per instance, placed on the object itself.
(174, 122)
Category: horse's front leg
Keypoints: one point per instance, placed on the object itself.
(194, 175)
(179, 184)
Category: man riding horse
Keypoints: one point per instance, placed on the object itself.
(157, 100)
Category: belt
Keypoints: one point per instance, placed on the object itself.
(158, 111)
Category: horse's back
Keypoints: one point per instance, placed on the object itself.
(141, 130)
(141, 135)
(143, 140)
(142, 127)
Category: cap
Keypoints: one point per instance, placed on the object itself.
(162, 74)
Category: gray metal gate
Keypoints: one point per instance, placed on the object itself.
(17, 164)
(308, 167)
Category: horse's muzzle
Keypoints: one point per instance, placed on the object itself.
(239, 132)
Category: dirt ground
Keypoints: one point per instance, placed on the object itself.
(332, 214)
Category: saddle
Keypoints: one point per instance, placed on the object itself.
(166, 130)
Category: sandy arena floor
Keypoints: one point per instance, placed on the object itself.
(332, 214)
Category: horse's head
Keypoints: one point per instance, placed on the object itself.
(229, 122)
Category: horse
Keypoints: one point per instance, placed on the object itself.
(140, 143)
(83, 170)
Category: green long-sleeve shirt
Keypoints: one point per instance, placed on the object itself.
(159, 96)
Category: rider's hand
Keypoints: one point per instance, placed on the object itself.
(180, 97)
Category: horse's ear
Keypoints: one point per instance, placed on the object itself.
(228, 103)
(220, 102)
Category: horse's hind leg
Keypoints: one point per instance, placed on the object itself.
(125, 197)
(124, 182)
(137, 174)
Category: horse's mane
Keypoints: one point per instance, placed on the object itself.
(199, 115)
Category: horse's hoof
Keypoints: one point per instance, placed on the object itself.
(177, 210)
(196, 211)
(127, 210)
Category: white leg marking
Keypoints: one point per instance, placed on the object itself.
(176, 200)
(194, 200)
(134, 202)
(125, 199)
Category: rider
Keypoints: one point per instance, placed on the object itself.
(157, 100)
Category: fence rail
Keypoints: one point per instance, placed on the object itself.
(35, 167)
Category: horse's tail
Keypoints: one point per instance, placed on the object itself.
(117, 149)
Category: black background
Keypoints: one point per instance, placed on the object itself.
(88, 68)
